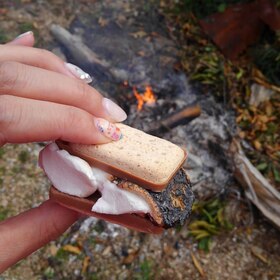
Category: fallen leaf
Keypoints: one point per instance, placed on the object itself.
(72, 249)
(141, 53)
(130, 258)
(257, 145)
(102, 21)
(107, 250)
(139, 34)
(197, 265)
(3, 11)
(257, 253)
(86, 263)
(53, 249)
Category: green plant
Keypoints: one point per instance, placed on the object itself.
(62, 254)
(267, 59)
(4, 213)
(146, 271)
(49, 272)
(26, 26)
(210, 220)
(203, 8)
(2, 152)
(23, 156)
(3, 37)
(209, 69)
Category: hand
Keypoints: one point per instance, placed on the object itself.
(43, 99)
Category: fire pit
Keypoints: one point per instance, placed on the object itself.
(139, 72)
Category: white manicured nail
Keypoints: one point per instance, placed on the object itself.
(78, 72)
(24, 34)
(114, 110)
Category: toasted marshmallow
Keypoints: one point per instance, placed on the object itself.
(69, 174)
(74, 176)
(118, 201)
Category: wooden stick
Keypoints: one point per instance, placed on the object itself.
(82, 53)
(182, 117)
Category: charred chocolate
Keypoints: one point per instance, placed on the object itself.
(175, 202)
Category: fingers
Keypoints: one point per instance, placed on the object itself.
(25, 120)
(17, 50)
(27, 232)
(25, 39)
(32, 56)
(35, 83)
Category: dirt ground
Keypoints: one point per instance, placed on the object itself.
(93, 249)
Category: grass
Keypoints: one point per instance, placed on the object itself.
(4, 213)
(23, 156)
(203, 8)
(49, 273)
(3, 37)
(146, 271)
(26, 26)
(2, 153)
(209, 221)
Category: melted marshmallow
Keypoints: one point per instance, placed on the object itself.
(74, 176)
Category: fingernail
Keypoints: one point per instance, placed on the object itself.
(24, 34)
(108, 129)
(78, 73)
(114, 110)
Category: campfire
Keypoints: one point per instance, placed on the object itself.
(147, 97)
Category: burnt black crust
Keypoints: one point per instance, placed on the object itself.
(176, 201)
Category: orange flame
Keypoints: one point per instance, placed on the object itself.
(147, 97)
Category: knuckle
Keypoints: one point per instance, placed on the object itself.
(9, 75)
(4, 111)
(47, 231)
(74, 119)
(51, 232)
(70, 118)
(10, 113)
(5, 119)
(45, 53)
(47, 57)
(82, 91)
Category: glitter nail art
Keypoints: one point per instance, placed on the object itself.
(79, 73)
(108, 129)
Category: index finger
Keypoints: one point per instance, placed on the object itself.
(35, 83)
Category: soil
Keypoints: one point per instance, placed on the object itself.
(105, 251)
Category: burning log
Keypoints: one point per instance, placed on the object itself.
(82, 53)
(182, 117)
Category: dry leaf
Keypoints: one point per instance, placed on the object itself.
(131, 257)
(139, 34)
(72, 249)
(3, 11)
(197, 265)
(257, 253)
(102, 21)
(141, 53)
(86, 263)
(107, 250)
(53, 249)
(242, 134)
(257, 145)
